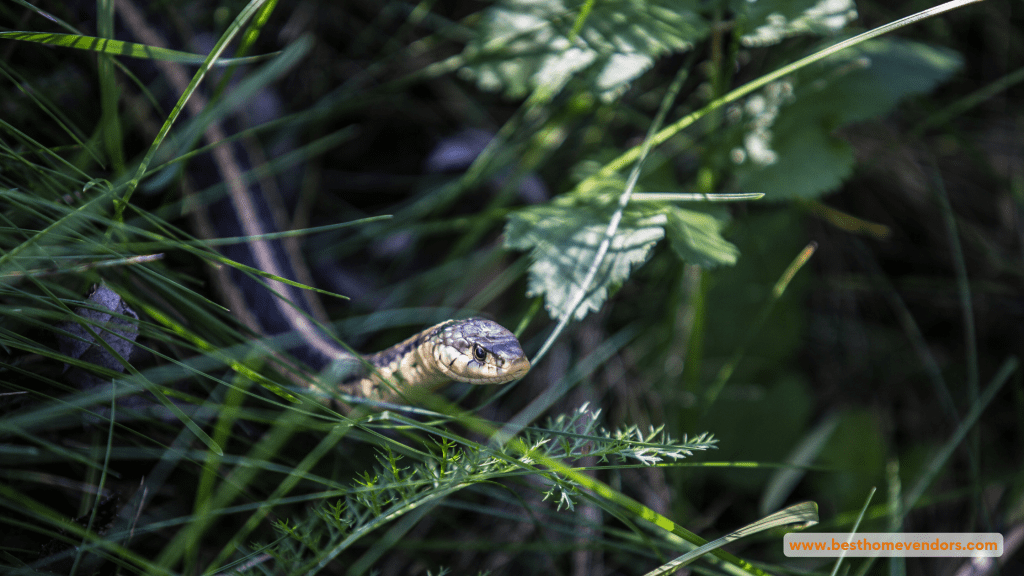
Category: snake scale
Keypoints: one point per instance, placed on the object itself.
(474, 350)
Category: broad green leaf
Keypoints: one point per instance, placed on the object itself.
(788, 149)
(120, 48)
(523, 46)
(564, 237)
(696, 237)
(563, 240)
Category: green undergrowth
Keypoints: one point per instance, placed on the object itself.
(641, 209)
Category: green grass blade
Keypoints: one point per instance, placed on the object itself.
(805, 513)
(233, 30)
(781, 484)
(111, 47)
(51, 110)
(249, 37)
(856, 526)
(711, 394)
(110, 120)
(970, 419)
(695, 197)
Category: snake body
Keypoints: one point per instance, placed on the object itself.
(474, 350)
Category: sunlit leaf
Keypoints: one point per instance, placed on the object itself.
(523, 45)
(564, 239)
(772, 22)
(696, 238)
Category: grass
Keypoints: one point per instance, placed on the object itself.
(697, 369)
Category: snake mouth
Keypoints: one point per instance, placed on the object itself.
(518, 368)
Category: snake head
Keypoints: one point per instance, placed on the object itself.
(479, 351)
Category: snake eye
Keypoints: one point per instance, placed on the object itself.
(479, 353)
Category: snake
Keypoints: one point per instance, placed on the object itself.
(473, 350)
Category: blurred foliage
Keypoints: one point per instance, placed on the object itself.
(790, 128)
